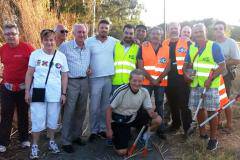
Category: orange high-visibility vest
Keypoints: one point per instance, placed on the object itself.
(180, 52)
(222, 93)
(155, 64)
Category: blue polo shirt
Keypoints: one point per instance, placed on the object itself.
(216, 52)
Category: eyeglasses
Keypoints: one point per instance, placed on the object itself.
(63, 31)
(10, 34)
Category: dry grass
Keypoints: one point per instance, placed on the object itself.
(195, 148)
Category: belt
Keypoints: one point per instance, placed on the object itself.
(77, 77)
(14, 87)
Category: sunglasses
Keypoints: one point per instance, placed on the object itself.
(63, 31)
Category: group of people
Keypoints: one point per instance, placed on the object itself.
(117, 78)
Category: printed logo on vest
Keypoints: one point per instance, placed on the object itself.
(206, 59)
(182, 50)
(162, 60)
(131, 57)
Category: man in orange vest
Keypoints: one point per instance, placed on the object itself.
(153, 59)
(177, 90)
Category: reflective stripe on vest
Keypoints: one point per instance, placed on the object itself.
(203, 65)
(155, 64)
(124, 63)
(222, 93)
(180, 53)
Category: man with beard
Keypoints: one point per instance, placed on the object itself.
(102, 65)
(124, 57)
(177, 90)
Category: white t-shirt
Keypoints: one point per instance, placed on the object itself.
(40, 61)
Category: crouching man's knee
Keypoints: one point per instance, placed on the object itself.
(156, 122)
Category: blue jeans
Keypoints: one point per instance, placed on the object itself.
(159, 98)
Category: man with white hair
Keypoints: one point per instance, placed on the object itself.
(78, 58)
(186, 33)
(177, 98)
(206, 58)
(61, 34)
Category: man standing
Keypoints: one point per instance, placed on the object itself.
(14, 56)
(124, 57)
(61, 34)
(207, 60)
(177, 98)
(78, 58)
(140, 34)
(186, 33)
(102, 65)
(232, 58)
(153, 59)
(123, 112)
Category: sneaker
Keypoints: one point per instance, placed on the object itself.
(68, 148)
(26, 144)
(103, 135)
(204, 137)
(53, 147)
(2, 149)
(93, 137)
(79, 141)
(34, 152)
(212, 144)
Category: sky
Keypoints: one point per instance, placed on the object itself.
(187, 10)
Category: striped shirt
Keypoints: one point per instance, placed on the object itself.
(78, 58)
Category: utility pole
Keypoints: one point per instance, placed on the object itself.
(94, 17)
(164, 19)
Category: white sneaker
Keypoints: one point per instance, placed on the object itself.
(25, 144)
(2, 148)
(53, 147)
(34, 152)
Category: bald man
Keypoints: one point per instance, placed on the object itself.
(186, 33)
(61, 34)
(78, 58)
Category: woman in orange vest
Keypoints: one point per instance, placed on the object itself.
(153, 59)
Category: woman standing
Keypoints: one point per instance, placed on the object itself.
(46, 80)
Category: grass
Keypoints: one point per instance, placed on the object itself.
(195, 149)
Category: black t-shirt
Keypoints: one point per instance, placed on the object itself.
(174, 79)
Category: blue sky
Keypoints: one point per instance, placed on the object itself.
(181, 10)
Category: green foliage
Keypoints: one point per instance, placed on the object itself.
(235, 33)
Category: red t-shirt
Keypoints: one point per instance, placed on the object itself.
(15, 62)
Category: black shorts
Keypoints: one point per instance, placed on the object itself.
(122, 132)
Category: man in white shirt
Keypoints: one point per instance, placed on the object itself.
(102, 65)
(232, 57)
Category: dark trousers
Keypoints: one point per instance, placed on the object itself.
(158, 97)
(10, 100)
(178, 101)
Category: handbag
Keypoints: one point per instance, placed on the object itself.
(38, 94)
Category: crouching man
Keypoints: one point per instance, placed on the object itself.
(124, 112)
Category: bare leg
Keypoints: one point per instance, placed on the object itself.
(201, 117)
(213, 126)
